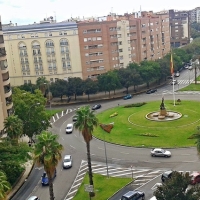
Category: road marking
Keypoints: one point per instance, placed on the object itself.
(72, 147)
(116, 159)
(62, 138)
(54, 119)
(185, 154)
(189, 161)
(62, 113)
(124, 152)
(100, 148)
(66, 111)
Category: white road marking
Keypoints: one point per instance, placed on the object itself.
(116, 159)
(62, 138)
(54, 119)
(72, 147)
(57, 115)
(62, 113)
(124, 152)
(100, 148)
(66, 111)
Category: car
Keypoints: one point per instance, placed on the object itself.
(151, 91)
(74, 118)
(45, 179)
(153, 198)
(135, 194)
(166, 175)
(177, 74)
(160, 152)
(67, 161)
(195, 178)
(69, 128)
(128, 96)
(190, 67)
(174, 82)
(97, 106)
(33, 198)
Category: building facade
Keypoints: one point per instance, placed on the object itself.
(6, 104)
(179, 28)
(116, 41)
(195, 15)
(46, 49)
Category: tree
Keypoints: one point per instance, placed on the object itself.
(58, 88)
(176, 188)
(4, 185)
(86, 121)
(28, 87)
(41, 83)
(30, 108)
(197, 137)
(47, 152)
(90, 87)
(14, 127)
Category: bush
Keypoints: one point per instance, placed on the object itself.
(114, 114)
(135, 105)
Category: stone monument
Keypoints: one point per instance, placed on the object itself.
(163, 111)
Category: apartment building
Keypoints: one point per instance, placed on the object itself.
(6, 104)
(115, 41)
(46, 49)
(195, 15)
(179, 28)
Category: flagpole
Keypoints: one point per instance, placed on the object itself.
(173, 90)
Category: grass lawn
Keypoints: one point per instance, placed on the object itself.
(53, 112)
(166, 134)
(191, 87)
(105, 188)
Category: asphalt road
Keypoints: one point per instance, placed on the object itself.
(182, 159)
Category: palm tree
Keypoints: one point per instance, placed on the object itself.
(86, 121)
(14, 127)
(47, 152)
(4, 185)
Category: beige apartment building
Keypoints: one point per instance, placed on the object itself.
(115, 41)
(46, 49)
(6, 104)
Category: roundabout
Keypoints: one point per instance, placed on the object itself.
(132, 128)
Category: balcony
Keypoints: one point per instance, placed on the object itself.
(2, 52)
(4, 69)
(9, 105)
(8, 92)
(6, 81)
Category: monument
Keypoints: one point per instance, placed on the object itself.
(163, 111)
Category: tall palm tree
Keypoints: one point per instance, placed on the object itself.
(47, 152)
(86, 121)
(14, 127)
(4, 185)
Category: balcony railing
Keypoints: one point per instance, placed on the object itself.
(2, 52)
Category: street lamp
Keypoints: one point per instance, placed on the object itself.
(49, 95)
(106, 157)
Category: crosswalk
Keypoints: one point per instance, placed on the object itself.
(140, 175)
(184, 82)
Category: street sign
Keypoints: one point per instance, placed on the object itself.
(89, 188)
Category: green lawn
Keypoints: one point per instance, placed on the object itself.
(167, 134)
(191, 87)
(53, 112)
(104, 187)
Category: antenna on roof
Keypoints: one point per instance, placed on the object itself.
(55, 15)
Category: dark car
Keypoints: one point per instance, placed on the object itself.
(135, 194)
(195, 178)
(97, 106)
(45, 179)
(128, 96)
(74, 118)
(151, 91)
(166, 175)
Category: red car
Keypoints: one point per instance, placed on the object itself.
(195, 178)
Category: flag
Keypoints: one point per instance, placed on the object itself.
(171, 65)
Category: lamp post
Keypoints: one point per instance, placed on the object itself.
(106, 157)
(132, 172)
(49, 95)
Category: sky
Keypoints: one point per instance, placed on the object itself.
(25, 12)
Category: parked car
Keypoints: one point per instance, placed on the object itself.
(69, 128)
(177, 74)
(74, 118)
(195, 178)
(174, 82)
(67, 161)
(33, 198)
(151, 91)
(128, 96)
(97, 106)
(160, 152)
(45, 179)
(190, 68)
(153, 198)
(166, 175)
(135, 194)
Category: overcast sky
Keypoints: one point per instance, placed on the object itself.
(30, 11)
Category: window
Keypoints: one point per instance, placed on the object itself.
(120, 50)
(65, 32)
(85, 39)
(60, 33)
(32, 35)
(49, 43)
(25, 81)
(98, 38)
(23, 36)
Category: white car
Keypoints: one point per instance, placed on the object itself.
(69, 128)
(177, 74)
(67, 162)
(160, 152)
(190, 68)
(33, 198)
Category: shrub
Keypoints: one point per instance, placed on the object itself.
(135, 105)
(114, 114)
